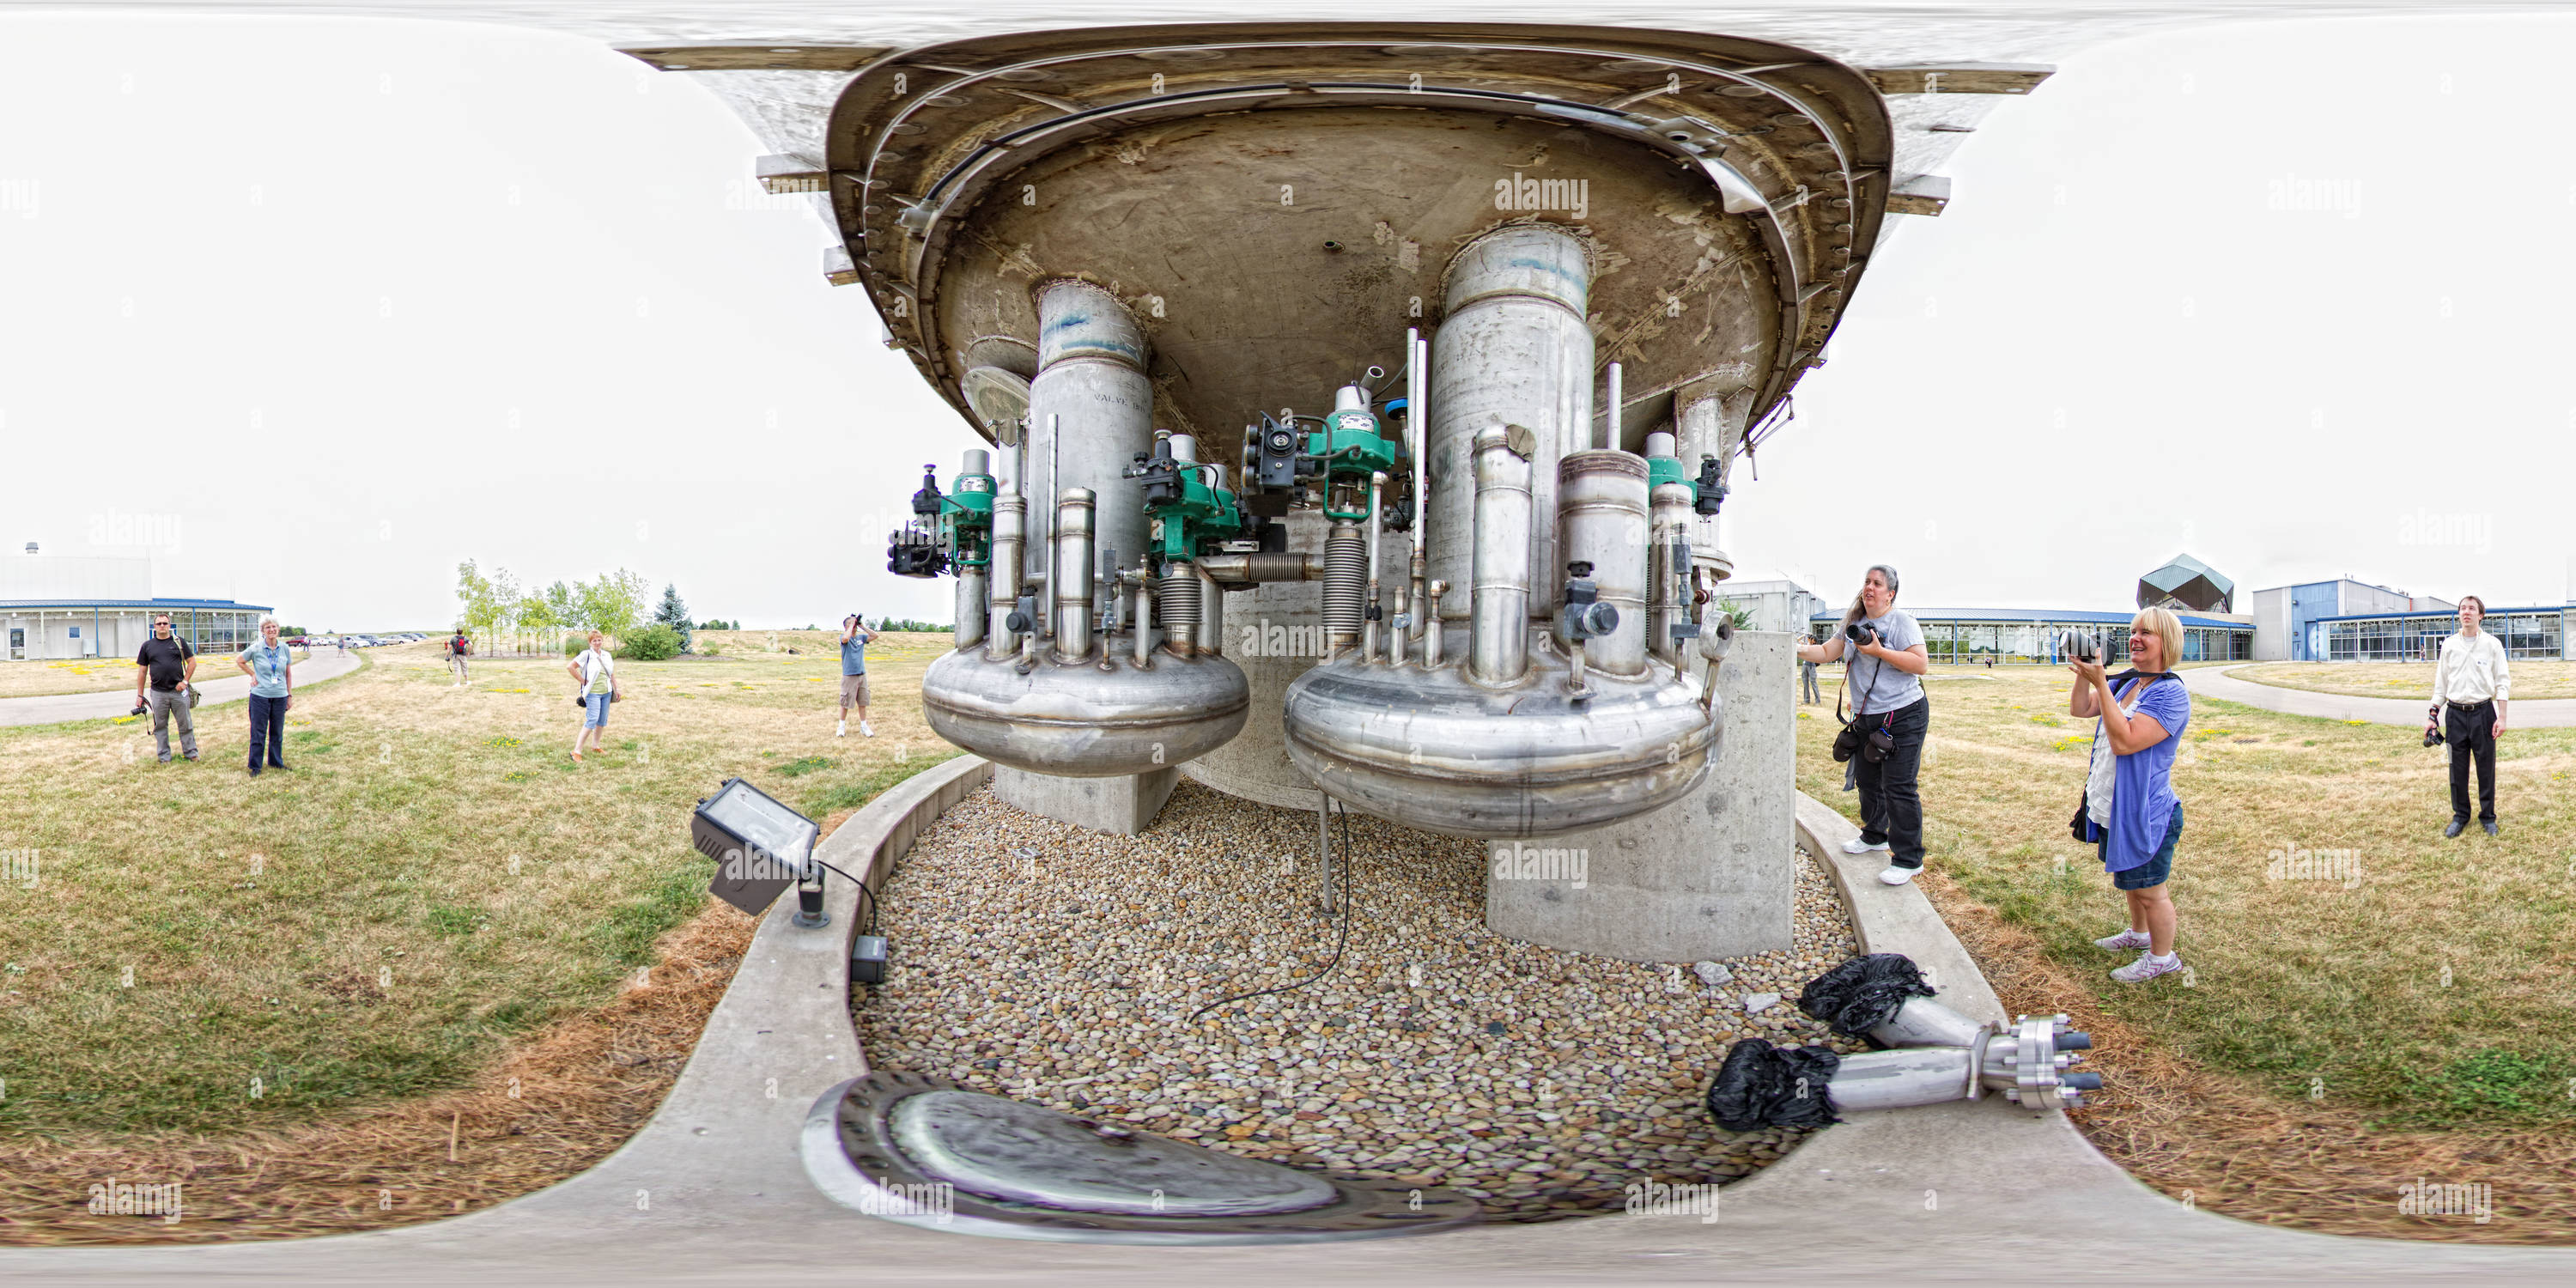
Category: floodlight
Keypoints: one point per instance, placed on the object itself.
(760, 847)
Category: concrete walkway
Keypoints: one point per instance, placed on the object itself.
(712, 1189)
(215, 675)
(2215, 682)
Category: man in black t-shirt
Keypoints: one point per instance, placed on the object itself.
(167, 664)
(459, 647)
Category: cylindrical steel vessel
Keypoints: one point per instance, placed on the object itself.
(1513, 349)
(1498, 635)
(1601, 520)
(1901, 1079)
(1091, 409)
(1010, 521)
(1073, 534)
(1098, 716)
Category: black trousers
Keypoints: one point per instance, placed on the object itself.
(1891, 808)
(267, 730)
(2471, 733)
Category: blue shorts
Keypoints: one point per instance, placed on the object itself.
(595, 716)
(2154, 872)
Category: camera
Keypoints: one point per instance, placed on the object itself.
(2080, 646)
(1858, 634)
(2433, 734)
(139, 709)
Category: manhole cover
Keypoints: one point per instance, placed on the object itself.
(1005, 1149)
(923, 1151)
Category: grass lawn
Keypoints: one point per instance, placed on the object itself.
(2429, 995)
(193, 951)
(93, 675)
(2433, 992)
(2403, 679)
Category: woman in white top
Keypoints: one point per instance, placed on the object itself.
(597, 673)
(2470, 685)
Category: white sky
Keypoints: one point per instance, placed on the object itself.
(347, 301)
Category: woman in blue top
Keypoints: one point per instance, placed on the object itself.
(2130, 808)
(271, 668)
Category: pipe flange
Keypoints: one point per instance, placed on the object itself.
(924, 1151)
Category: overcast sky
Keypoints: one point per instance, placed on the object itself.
(339, 303)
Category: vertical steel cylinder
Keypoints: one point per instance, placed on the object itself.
(1499, 597)
(1091, 410)
(972, 597)
(1601, 520)
(1010, 523)
(1513, 349)
(977, 461)
(1668, 570)
(1073, 537)
(1211, 613)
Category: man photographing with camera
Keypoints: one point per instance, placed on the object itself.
(2470, 685)
(167, 663)
(1890, 718)
(854, 674)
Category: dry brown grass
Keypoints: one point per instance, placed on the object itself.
(94, 675)
(436, 836)
(554, 1106)
(2531, 679)
(2217, 1142)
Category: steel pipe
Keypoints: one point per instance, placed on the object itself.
(1602, 520)
(1145, 614)
(1211, 614)
(1073, 534)
(1514, 349)
(1345, 585)
(1180, 606)
(1668, 578)
(1375, 611)
(1264, 566)
(1431, 637)
(1498, 634)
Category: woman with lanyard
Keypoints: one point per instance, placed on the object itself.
(598, 677)
(1887, 657)
(2130, 809)
(271, 668)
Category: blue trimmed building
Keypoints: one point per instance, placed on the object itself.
(38, 630)
(1974, 636)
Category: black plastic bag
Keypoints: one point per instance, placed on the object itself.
(1860, 994)
(1761, 1085)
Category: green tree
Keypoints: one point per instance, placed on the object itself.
(674, 614)
(535, 617)
(476, 608)
(614, 602)
(563, 606)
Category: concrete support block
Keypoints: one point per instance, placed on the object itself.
(1708, 876)
(1275, 632)
(1121, 806)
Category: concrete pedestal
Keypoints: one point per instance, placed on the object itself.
(1122, 806)
(1708, 876)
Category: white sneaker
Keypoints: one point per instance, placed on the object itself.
(1859, 846)
(2123, 941)
(841, 729)
(1895, 875)
(2147, 968)
(866, 728)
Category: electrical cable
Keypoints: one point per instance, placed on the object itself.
(1350, 909)
(873, 909)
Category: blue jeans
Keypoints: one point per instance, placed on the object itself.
(595, 713)
(268, 726)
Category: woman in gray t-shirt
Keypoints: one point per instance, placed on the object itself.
(1883, 677)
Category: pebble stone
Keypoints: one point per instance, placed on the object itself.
(1541, 1082)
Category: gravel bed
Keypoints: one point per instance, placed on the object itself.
(1437, 1053)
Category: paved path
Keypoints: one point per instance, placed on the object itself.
(713, 1190)
(216, 676)
(2215, 682)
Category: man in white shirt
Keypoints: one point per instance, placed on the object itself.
(2470, 686)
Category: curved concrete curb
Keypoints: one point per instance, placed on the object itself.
(107, 704)
(2215, 682)
(714, 1188)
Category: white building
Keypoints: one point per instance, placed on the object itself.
(62, 607)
